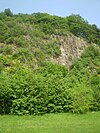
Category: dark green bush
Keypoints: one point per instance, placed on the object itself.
(5, 94)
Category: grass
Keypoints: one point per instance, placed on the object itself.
(51, 123)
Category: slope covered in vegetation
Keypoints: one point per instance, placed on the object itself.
(32, 77)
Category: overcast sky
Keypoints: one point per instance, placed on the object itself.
(88, 9)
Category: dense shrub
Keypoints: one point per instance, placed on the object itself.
(5, 94)
(82, 98)
(48, 89)
(95, 84)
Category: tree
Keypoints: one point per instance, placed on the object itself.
(8, 12)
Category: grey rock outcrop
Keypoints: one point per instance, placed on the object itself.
(71, 48)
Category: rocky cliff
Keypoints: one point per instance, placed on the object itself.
(71, 49)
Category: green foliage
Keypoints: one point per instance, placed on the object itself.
(51, 88)
(5, 94)
(79, 27)
(86, 71)
(32, 93)
(95, 84)
(5, 49)
(29, 82)
(8, 12)
(82, 98)
(51, 24)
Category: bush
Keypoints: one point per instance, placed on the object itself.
(5, 94)
(95, 84)
(82, 98)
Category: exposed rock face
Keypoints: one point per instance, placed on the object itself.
(71, 49)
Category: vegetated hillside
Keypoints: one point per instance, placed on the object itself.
(48, 64)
